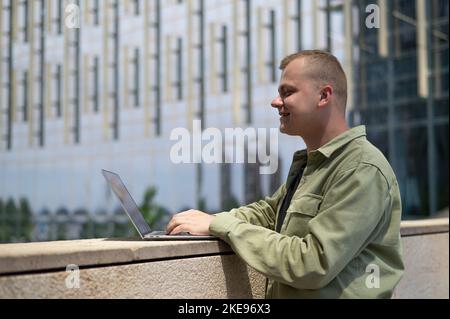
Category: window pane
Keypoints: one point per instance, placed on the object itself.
(374, 116)
(380, 140)
(412, 172)
(441, 144)
(410, 111)
(441, 108)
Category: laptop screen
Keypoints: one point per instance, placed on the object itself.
(127, 202)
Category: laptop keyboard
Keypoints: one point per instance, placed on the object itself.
(161, 232)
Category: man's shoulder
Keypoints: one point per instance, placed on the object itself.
(363, 152)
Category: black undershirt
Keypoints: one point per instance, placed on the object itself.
(287, 199)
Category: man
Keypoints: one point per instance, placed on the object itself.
(333, 230)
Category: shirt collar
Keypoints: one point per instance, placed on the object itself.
(342, 139)
(301, 157)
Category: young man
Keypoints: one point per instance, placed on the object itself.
(333, 229)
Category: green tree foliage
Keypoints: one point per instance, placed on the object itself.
(230, 203)
(44, 225)
(122, 224)
(11, 217)
(62, 219)
(201, 204)
(2, 222)
(26, 222)
(16, 222)
(81, 216)
(153, 213)
(102, 224)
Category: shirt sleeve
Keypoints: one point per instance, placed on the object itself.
(260, 213)
(349, 213)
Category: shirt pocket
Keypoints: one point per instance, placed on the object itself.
(300, 211)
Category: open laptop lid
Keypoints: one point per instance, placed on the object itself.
(127, 202)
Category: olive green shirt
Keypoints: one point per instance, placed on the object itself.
(341, 234)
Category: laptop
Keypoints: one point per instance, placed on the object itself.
(133, 212)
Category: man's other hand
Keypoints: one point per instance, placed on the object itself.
(193, 221)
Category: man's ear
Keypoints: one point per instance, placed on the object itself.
(325, 95)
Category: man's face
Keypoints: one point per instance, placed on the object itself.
(297, 100)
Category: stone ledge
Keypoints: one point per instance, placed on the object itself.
(218, 276)
(56, 255)
(424, 226)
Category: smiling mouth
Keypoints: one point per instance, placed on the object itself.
(284, 114)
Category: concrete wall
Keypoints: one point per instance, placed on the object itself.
(425, 253)
(127, 268)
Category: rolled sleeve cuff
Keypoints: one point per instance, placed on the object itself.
(222, 224)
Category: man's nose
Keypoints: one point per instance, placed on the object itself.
(277, 102)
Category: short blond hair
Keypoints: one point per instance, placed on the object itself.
(324, 68)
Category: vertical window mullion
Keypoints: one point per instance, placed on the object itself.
(58, 90)
(224, 59)
(137, 7)
(26, 24)
(179, 68)
(272, 62)
(59, 16)
(136, 77)
(25, 95)
(96, 84)
(96, 12)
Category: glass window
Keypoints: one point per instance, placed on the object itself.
(379, 138)
(441, 140)
(377, 93)
(374, 116)
(405, 88)
(410, 110)
(440, 7)
(441, 108)
(412, 171)
(405, 65)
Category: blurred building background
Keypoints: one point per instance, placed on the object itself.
(109, 93)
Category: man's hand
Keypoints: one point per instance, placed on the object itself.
(193, 221)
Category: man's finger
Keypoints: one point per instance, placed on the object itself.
(172, 224)
(176, 230)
